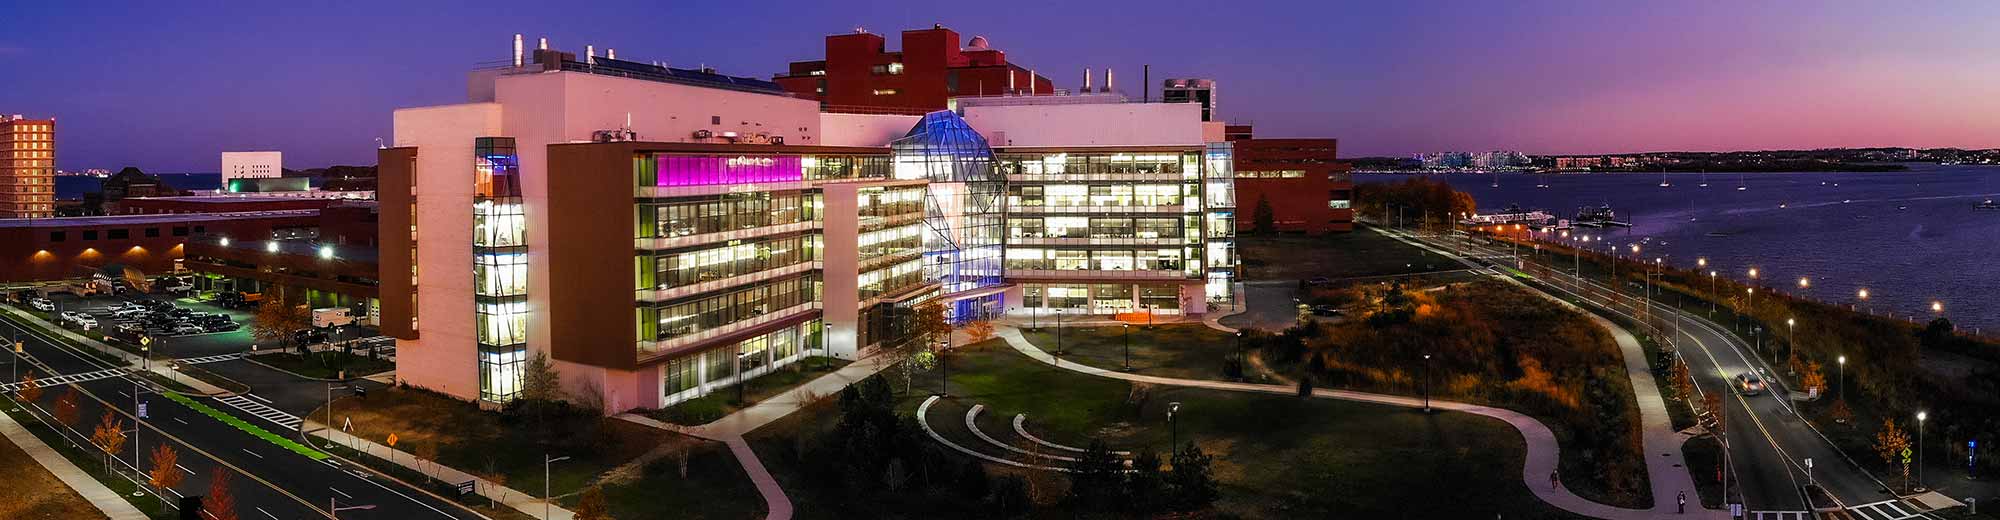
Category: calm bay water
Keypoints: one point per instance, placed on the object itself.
(1908, 237)
(70, 187)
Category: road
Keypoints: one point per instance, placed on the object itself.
(271, 482)
(1768, 441)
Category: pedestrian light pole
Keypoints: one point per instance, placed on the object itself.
(546, 461)
(1427, 383)
(1174, 425)
(1128, 347)
(1711, 293)
(1921, 416)
(329, 412)
(1843, 378)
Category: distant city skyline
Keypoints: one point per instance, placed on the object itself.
(160, 88)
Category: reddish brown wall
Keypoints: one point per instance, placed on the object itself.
(28, 253)
(1298, 204)
(591, 312)
(396, 176)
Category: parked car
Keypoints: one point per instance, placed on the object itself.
(70, 316)
(1749, 383)
(309, 336)
(126, 312)
(42, 304)
(1326, 310)
(223, 326)
(188, 328)
(85, 322)
(131, 328)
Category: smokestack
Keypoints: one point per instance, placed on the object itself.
(590, 54)
(611, 53)
(1010, 81)
(1086, 79)
(543, 44)
(1146, 83)
(517, 49)
(1107, 79)
(1031, 81)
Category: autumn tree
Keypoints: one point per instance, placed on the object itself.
(166, 473)
(1814, 378)
(1890, 442)
(30, 391)
(1683, 383)
(219, 504)
(66, 409)
(1713, 404)
(927, 329)
(1840, 412)
(109, 436)
(591, 506)
(275, 322)
(979, 331)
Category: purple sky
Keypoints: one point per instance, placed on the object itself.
(167, 85)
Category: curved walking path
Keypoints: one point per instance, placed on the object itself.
(1538, 463)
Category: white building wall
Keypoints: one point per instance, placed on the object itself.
(1098, 124)
(864, 129)
(251, 165)
(445, 355)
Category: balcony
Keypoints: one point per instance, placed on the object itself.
(1041, 210)
(1091, 274)
(724, 236)
(661, 295)
(648, 349)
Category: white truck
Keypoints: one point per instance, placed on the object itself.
(331, 317)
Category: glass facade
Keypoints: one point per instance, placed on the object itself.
(500, 268)
(964, 208)
(712, 369)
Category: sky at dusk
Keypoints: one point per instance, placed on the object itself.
(166, 86)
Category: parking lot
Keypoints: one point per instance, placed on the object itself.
(172, 322)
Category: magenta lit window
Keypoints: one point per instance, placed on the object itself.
(682, 170)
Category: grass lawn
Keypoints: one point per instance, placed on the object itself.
(1182, 350)
(1362, 252)
(487, 443)
(32, 493)
(326, 365)
(89, 460)
(1276, 456)
(722, 402)
(1703, 456)
(715, 488)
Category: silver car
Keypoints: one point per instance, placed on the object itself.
(1749, 384)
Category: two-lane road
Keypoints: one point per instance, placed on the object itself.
(270, 481)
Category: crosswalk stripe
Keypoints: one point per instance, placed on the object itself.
(64, 379)
(259, 410)
(210, 359)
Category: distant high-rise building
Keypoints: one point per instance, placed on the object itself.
(1445, 160)
(1499, 159)
(252, 165)
(860, 74)
(1200, 91)
(27, 167)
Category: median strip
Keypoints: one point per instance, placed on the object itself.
(252, 429)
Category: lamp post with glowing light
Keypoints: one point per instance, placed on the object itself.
(1921, 417)
(1789, 345)
(1861, 296)
(1711, 293)
(1843, 377)
(1128, 347)
(1427, 383)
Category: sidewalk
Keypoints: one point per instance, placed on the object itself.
(525, 503)
(1540, 460)
(132, 361)
(113, 506)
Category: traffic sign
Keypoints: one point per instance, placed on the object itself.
(142, 410)
(392, 440)
(1906, 453)
(465, 488)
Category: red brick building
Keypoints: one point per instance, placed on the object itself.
(1306, 188)
(75, 247)
(860, 74)
(27, 167)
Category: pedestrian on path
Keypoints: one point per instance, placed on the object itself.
(1681, 501)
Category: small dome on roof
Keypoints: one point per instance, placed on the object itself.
(977, 43)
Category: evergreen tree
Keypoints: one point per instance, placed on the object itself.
(1146, 487)
(1192, 482)
(1095, 479)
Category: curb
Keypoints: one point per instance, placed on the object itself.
(379, 473)
(247, 357)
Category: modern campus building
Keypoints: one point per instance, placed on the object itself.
(251, 165)
(860, 74)
(661, 233)
(330, 265)
(63, 248)
(1300, 181)
(27, 167)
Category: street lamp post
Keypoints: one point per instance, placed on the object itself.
(1711, 293)
(1843, 378)
(1921, 416)
(1861, 296)
(1427, 383)
(546, 461)
(329, 412)
(1789, 345)
(1128, 347)
(1174, 425)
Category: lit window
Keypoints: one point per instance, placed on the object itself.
(885, 92)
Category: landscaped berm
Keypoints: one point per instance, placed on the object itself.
(642, 472)
(1269, 456)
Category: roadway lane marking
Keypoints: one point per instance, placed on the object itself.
(342, 493)
(364, 478)
(247, 450)
(64, 379)
(184, 468)
(260, 398)
(267, 513)
(261, 411)
(178, 420)
(210, 359)
(1778, 515)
